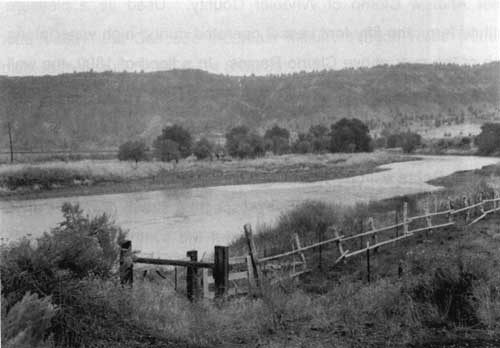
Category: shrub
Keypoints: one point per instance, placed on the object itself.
(350, 135)
(203, 149)
(488, 141)
(28, 321)
(133, 151)
(166, 150)
(242, 143)
(410, 141)
(80, 247)
(173, 143)
(277, 140)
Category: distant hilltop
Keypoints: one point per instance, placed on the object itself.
(90, 110)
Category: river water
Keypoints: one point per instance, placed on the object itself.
(167, 223)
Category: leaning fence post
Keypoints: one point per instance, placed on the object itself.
(251, 274)
(371, 226)
(450, 209)
(252, 252)
(405, 218)
(126, 263)
(192, 276)
(368, 260)
(299, 246)
(221, 270)
(320, 230)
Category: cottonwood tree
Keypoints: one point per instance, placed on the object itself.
(133, 151)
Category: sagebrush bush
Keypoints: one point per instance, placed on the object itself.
(56, 263)
(27, 323)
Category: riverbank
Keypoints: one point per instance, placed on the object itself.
(60, 179)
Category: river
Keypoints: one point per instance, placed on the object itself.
(167, 223)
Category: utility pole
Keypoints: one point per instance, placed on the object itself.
(10, 141)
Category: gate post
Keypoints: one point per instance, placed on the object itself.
(221, 270)
(126, 263)
(192, 276)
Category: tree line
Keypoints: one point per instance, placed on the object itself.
(176, 142)
(346, 135)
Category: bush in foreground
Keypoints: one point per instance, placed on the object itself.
(58, 264)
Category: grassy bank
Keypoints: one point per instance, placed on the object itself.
(22, 181)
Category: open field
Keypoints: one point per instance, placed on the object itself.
(50, 179)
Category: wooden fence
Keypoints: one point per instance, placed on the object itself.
(244, 274)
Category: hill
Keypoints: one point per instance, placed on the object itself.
(92, 110)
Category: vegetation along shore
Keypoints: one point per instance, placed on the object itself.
(59, 179)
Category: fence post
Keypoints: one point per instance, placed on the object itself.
(252, 252)
(192, 276)
(251, 274)
(405, 218)
(450, 208)
(339, 243)
(371, 226)
(221, 270)
(368, 261)
(397, 222)
(320, 231)
(175, 278)
(299, 246)
(126, 263)
(466, 213)
(204, 280)
(361, 230)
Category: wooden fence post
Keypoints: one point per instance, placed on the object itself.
(175, 278)
(251, 274)
(405, 218)
(192, 276)
(221, 270)
(361, 230)
(252, 252)
(397, 222)
(204, 280)
(320, 231)
(371, 226)
(450, 208)
(428, 219)
(299, 246)
(464, 202)
(126, 263)
(368, 261)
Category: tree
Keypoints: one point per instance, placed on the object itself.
(277, 140)
(166, 150)
(203, 149)
(320, 139)
(178, 135)
(240, 142)
(133, 151)
(488, 141)
(410, 141)
(350, 135)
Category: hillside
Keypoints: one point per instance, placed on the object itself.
(100, 110)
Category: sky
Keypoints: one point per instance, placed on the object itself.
(243, 37)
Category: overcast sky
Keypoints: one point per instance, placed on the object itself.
(243, 37)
